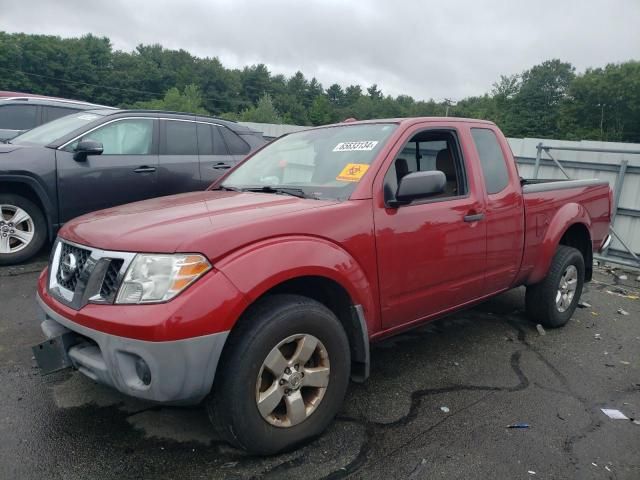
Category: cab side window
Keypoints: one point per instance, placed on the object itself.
(494, 166)
(428, 150)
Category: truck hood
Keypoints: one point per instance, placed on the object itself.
(177, 222)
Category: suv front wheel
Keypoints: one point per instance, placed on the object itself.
(23, 229)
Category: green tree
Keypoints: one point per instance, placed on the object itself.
(314, 90)
(297, 86)
(255, 82)
(547, 100)
(352, 94)
(320, 111)
(264, 112)
(536, 106)
(374, 92)
(335, 94)
(189, 101)
(604, 104)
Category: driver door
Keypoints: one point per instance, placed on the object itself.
(431, 252)
(125, 172)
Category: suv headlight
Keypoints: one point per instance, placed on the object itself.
(157, 278)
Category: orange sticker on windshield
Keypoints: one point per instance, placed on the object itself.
(353, 172)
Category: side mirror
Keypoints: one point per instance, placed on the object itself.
(85, 148)
(419, 185)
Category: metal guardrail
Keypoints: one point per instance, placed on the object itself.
(621, 169)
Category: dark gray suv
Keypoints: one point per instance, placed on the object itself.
(96, 159)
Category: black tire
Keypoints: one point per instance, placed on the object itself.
(232, 405)
(39, 229)
(540, 298)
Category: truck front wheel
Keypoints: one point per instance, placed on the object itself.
(282, 377)
(553, 301)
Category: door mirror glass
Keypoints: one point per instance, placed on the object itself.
(419, 185)
(85, 148)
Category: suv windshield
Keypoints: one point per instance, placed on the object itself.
(52, 131)
(324, 163)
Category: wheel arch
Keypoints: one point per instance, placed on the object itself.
(328, 275)
(32, 190)
(578, 237)
(336, 298)
(570, 226)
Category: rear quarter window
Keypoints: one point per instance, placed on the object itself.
(51, 113)
(219, 147)
(18, 117)
(236, 145)
(494, 166)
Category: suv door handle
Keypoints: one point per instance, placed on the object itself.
(475, 217)
(221, 166)
(145, 169)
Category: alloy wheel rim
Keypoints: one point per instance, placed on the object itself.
(292, 380)
(567, 288)
(16, 229)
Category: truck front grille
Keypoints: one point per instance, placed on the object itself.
(79, 274)
(110, 283)
(71, 265)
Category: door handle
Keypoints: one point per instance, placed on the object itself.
(475, 217)
(221, 166)
(145, 169)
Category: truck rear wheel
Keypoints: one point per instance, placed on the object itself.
(283, 375)
(23, 229)
(553, 301)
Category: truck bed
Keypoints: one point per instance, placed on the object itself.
(543, 202)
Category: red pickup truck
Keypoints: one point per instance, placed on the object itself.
(261, 295)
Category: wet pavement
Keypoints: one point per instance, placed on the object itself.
(488, 366)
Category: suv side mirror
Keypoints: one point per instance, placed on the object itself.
(85, 148)
(419, 185)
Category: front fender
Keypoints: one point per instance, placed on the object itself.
(568, 215)
(255, 269)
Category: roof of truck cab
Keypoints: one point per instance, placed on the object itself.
(412, 120)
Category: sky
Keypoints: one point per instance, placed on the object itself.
(422, 48)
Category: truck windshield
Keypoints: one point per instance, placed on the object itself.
(323, 163)
(52, 131)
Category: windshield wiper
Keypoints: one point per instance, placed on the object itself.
(294, 192)
(231, 189)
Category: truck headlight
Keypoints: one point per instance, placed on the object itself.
(158, 278)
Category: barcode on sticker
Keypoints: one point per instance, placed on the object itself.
(362, 146)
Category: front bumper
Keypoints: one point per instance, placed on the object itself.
(176, 372)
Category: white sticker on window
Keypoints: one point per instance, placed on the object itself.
(87, 116)
(362, 146)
